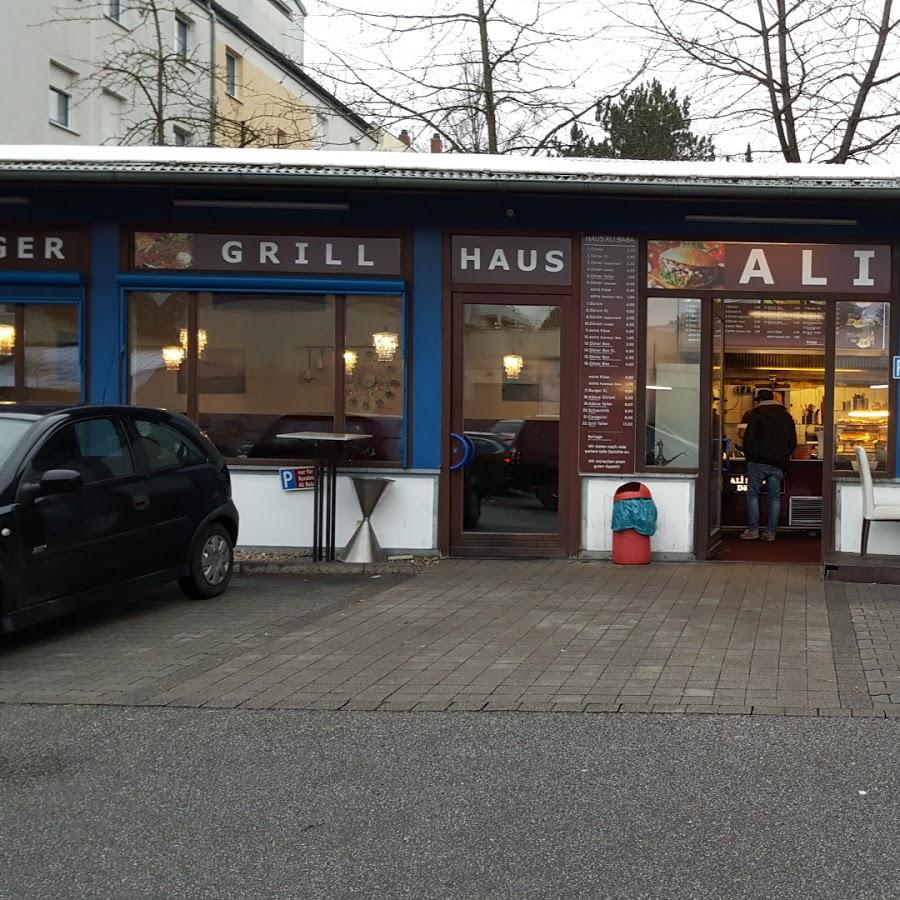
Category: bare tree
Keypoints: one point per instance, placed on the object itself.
(820, 76)
(164, 86)
(496, 76)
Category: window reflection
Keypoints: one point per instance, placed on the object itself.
(264, 365)
(673, 382)
(861, 383)
(511, 402)
(155, 323)
(40, 361)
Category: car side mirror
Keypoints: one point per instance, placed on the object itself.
(60, 481)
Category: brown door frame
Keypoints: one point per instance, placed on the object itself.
(705, 544)
(515, 544)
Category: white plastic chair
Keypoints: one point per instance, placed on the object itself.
(872, 511)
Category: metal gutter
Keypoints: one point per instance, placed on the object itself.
(488, 183)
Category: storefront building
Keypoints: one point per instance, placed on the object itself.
(518, 338)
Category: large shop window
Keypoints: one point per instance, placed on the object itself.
(672, 401)
(862, 383)
(251, 367)
(39, 353)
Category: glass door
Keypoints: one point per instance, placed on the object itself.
(717, 424)
(508, 428)
(711, 480)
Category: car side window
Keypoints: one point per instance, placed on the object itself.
(95, 448)
(166, 447)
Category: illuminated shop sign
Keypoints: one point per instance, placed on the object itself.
(797, 268)
(297, 254)
(40, 250)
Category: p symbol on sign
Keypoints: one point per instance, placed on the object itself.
(288, 479)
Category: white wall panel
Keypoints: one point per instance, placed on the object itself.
(405, 518)
(675, 510)
(884, 537)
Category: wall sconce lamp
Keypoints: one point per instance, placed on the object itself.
(7, 339)
(173, 356)
(513, 365)
(385, 344)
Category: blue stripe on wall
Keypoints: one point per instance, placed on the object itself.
(427, 330)
(104, 340)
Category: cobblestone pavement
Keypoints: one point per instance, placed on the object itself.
(875, 612)
(558, 635)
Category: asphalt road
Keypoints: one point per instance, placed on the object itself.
(168, 803)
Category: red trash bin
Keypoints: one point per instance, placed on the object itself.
(630, 547)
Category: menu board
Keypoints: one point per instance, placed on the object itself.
(770, 325)
(778, 325)
(609, 294)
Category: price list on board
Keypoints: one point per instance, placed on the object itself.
(609, 294)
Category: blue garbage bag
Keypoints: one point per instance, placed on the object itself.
(638, 514)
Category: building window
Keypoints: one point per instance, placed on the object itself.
(251, 367)
(114, 9)
(182, 37)
(672, 390)
(60, 95)
(862, 381)
(281, 138)
(232, 73)
(39, 353)
(182, 137)
(60, 106)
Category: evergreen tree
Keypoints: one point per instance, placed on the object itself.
(646, 123)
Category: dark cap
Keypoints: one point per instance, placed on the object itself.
(764, 394)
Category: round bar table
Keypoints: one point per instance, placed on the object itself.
(328, 447)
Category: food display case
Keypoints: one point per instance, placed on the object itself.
(854, 429)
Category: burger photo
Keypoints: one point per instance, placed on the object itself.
(688, 266)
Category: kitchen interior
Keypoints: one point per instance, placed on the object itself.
(780, 345)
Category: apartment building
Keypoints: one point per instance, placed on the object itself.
(176, 72)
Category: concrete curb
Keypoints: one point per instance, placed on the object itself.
(306, 566)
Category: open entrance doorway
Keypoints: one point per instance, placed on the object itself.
(828, 363)
(776, 347)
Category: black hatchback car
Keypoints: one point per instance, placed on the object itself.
(97, 497)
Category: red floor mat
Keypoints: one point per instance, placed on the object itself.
(786, 548)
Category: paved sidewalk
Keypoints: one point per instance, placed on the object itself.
(558, 635)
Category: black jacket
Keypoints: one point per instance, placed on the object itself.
(771, 435)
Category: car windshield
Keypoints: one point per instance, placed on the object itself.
(11, 431)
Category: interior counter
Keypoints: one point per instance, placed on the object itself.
(803, 480)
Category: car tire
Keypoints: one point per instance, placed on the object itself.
(472, 511)
(547, 497)
(210, 565)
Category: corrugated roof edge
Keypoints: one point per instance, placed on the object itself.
(381, 169)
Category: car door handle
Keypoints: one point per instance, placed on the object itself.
(141, 501)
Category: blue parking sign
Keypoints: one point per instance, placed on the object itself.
(298, 479)
(896, 367)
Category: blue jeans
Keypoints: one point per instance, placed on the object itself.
(771, 476)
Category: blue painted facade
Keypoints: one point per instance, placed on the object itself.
(107, 212)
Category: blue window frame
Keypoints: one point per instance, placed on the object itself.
(253, 357)
(42, 338)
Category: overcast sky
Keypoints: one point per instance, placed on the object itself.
(601, 64)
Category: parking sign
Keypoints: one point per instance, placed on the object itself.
(297, 479)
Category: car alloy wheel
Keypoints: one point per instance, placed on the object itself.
(215, 559)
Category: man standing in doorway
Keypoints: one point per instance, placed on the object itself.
(769, 441)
